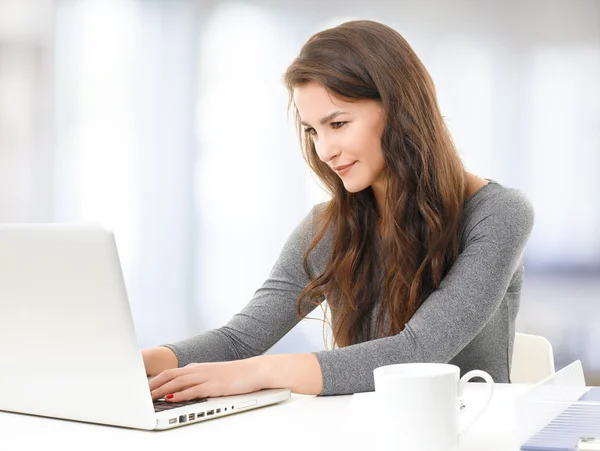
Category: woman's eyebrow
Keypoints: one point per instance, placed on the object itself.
(327, 118)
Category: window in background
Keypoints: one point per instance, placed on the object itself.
(562, 135)
(250, 179)
(462, 69)
(26, 36)
(124, 145)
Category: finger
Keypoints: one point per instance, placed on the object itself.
(177, 385)
(174, 386)
(194, 392)
(166, 376)
(170, 374)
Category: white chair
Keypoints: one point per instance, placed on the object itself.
(532, 359)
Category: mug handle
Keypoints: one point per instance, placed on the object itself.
(467, 418)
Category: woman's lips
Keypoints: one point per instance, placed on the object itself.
(344, 169)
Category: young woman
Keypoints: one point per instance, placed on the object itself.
(419, 260)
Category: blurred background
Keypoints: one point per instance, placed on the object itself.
(166, 121)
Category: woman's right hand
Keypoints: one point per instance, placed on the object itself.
(158, 359)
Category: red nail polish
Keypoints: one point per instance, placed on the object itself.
(169, 397)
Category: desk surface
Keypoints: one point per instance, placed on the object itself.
(303, 422)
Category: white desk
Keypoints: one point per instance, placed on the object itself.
(304, 422)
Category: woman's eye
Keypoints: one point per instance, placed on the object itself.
(337, 124)
(310, 131)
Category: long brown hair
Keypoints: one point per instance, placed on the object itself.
(400, 254)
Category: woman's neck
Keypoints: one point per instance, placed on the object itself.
(474, 184)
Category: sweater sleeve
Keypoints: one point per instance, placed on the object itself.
(468, 296)
(270, 314)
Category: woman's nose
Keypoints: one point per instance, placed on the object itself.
(327, 149)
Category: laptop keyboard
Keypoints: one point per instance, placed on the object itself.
(160, 406)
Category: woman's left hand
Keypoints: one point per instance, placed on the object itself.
(207, 380)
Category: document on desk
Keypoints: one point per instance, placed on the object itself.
(578, 421)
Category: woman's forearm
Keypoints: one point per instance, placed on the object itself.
(158, 359)
(299, 372)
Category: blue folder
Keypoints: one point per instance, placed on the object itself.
(563, 433)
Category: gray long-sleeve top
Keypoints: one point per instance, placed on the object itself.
(468, 321)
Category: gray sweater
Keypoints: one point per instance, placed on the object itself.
(468, 321)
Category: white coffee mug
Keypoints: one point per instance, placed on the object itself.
(417, 405)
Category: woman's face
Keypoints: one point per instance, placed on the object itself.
(346, 135)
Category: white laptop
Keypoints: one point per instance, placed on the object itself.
(68, 347)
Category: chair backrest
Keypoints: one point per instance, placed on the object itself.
(532, 359)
